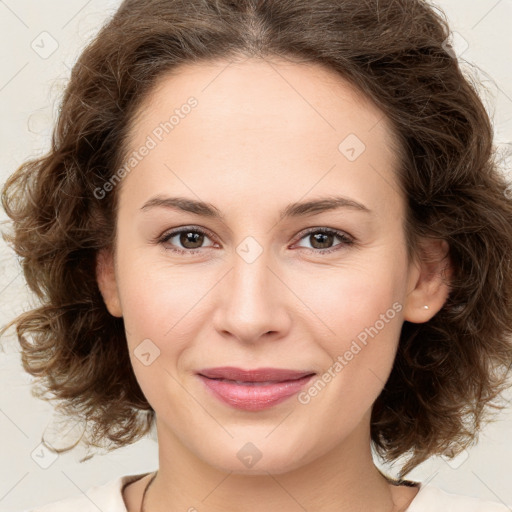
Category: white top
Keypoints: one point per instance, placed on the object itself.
(108, 498)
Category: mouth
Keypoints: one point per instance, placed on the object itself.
(251, 383)
(253, 390)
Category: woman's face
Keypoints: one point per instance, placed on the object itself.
(255, 283)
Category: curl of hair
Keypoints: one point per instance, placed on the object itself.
(448, 371)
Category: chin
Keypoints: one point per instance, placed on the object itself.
(253, 458)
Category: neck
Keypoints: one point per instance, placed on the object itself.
(344, 479)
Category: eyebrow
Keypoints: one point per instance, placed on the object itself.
(298, 209)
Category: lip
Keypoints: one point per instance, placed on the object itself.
(255, 375)
(253, 390)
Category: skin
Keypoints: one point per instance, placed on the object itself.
(265, 134)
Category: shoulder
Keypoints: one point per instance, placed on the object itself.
(434, 499)
(107, 496)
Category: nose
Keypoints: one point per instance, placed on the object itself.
(253, 301)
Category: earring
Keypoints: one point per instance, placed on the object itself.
(426, 307)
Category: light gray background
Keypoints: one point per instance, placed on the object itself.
(31, 82)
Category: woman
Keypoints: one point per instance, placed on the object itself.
(276, 230)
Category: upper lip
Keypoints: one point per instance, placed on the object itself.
(255, 375)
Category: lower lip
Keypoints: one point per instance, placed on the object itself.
(254, 397)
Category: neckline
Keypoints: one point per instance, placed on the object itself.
(129, 479)
(125, 481)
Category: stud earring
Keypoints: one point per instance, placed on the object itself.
(426, 307)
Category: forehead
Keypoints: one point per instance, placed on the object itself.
(264, 121)
(267, 90)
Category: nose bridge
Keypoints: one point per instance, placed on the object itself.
(251, 303)
(250, 278)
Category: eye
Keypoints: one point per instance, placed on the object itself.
(322, 239)
(191, 240)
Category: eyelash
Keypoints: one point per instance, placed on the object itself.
(346, 240)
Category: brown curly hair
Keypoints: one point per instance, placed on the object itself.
(448, 371)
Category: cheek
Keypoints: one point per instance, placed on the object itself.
(163, 310)
(347, 303)
(362, 320)
(156, 296)
(158, 314)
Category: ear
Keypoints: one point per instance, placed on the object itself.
(429, 280)
(105, 276)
